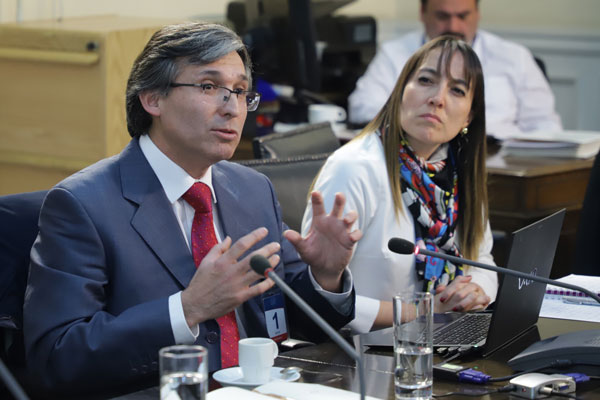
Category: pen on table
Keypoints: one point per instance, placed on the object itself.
(587, 301)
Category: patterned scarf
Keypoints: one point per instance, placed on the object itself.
(430, 192)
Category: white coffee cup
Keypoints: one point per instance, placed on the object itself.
(325, 112)
(256, 357)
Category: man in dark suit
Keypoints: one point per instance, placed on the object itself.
(114, 271)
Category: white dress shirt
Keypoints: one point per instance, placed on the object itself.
(358, 171)
(518, 97)
(175, 182)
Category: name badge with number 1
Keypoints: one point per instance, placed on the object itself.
(275, 317)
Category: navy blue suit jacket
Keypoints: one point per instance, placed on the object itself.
(109, 254)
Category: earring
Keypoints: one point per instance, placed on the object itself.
(464, 131)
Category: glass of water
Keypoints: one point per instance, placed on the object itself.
(183, 372)
(413, 345)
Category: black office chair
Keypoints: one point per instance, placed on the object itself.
(291, 178)
(588, 231)
(19, 215)
(309, 139)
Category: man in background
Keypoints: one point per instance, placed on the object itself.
(518, 97)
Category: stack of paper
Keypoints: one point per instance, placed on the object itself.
(567, 304)
(591, 283)
(230, 392)
(567, 144)
(285, 390)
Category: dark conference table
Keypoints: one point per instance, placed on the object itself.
(521, 191)
(327, 364)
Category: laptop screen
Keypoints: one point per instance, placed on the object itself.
(519, 300)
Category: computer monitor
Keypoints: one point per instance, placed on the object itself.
(281, 37)
(300, 43)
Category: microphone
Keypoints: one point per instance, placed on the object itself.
(11, 383)
(402, 246)
(261, 266)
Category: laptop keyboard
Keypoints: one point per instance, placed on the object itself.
(470, 329)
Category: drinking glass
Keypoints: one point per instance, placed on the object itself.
(413, 345)
(183, 372)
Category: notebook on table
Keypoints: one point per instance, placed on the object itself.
(591, 283)
(518, 301)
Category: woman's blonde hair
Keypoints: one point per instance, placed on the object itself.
(470, 150)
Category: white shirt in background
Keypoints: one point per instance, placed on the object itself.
(518, 97)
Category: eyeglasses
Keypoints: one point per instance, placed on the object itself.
(215, 91)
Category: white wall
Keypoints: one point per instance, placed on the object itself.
(565, 33)
(45, 9)
(578, 14)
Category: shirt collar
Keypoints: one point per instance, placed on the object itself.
(441, 153)
(174, 180)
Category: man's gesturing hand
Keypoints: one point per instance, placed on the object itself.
(327, 247)
(222, 281)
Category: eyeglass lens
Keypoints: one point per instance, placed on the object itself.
(251, 98)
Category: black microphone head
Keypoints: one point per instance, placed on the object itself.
(401, 246)
(259, 264)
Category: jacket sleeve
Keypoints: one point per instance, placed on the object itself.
(295, 272)
(72, 342)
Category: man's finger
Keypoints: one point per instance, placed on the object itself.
(356, 235)
(338, 206)
(318, 205)
(350, 218)
(259, 288)
(274, 260)
(246, 242)
(217, 251)
(293, 237)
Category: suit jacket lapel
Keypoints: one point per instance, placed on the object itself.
(228, 200)
(154, 219)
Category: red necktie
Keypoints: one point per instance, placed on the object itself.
(199, 197)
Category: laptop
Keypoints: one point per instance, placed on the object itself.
(517, 304)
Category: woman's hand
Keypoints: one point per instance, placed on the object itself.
(460, 295)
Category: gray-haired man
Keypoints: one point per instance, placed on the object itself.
(125, 263)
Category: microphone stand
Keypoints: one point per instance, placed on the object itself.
(260, 264)
(402, 246)
(11, 383)
(506, 271)
(339, 340)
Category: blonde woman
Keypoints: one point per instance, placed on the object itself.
(417, 171)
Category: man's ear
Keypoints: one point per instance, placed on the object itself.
(149, 100)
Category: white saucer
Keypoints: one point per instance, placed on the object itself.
(233, 377)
